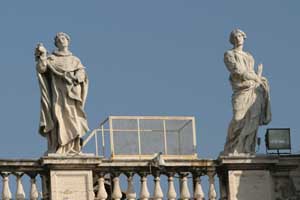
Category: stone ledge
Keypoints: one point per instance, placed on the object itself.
(241, 159)
(70, 162)
(258, 162)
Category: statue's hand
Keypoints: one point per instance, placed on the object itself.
(80, 76)
(40, 51)
(40, 54)
(260, 69)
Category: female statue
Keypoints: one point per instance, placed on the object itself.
(63, 83)
(250, 98)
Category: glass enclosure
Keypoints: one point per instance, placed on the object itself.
(140, 137)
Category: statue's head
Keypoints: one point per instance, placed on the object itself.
(234, 34)
(62, 39)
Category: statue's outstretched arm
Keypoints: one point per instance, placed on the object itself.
(41, 58)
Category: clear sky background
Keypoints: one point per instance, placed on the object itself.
(149, 58)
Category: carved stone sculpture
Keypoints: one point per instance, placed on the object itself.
(64, 84)
(250, 99)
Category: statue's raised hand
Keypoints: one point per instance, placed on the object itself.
(260, 69)
(40, 51)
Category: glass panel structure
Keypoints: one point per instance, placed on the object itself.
(140, 137)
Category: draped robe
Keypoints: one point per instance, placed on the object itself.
(63, 84)
(250, 103)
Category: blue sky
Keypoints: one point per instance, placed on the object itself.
(149, 58)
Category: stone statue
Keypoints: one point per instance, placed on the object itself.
(64, 85)
(250, 98)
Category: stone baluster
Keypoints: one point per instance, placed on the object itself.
(212, 195)
(20, 194)
(45, 186)
(117, 193)
(157, 194)
(6, 194)
(171, 194)
(144, 194)
(198, 191)
(130, 193)
(34, 193)
(184, 189)
(102, 194)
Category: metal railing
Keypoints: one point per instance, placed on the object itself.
(143, 136)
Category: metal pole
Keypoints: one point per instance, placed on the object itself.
(165, 137)
(139, 135)
(111, 137)
(96, 143)
(103, 142)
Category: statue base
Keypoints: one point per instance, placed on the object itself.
(249, 184)
(237, 154)
(71, 185)
(258, 177)
(73, 155)
(69, 177)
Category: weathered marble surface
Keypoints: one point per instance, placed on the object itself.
(260, 177)
(249, 185)
(287, 185)
(64, 84)
(250, 99)
(71, 185)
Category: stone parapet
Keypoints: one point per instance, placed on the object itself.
(266, 177)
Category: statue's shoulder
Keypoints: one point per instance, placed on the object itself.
(229, 53)
(249, 54)
(76, 61)
(75, 58)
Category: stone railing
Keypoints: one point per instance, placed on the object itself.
(34, 174)
(149, 179)
(186, 171)
(16, 170)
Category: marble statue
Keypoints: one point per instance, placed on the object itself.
(64, 84)
(250, 98)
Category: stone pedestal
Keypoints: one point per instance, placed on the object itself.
(246, 177)
(71, 185)
(249, 185)
(70, 177)
(261, 177)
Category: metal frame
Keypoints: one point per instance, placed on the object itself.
(111, 130)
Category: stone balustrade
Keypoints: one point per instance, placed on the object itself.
(182, 179)
(13, 173)
(19, 193)
(141, 179)
(185, 174)
(185, 192)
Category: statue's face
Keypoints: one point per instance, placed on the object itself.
(62, 42)
(238, 39)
